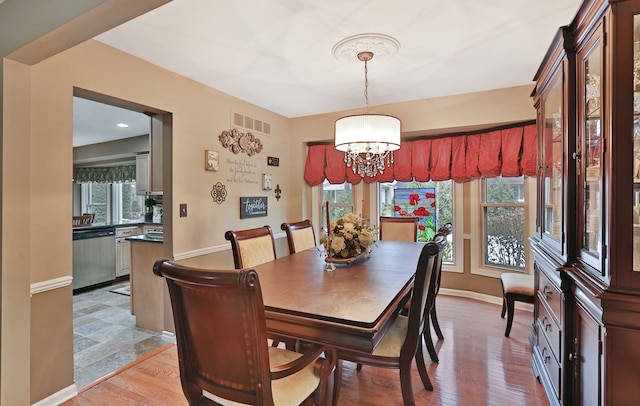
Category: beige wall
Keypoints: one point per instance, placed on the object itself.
(38, 154)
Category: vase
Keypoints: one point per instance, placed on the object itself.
(344, 261)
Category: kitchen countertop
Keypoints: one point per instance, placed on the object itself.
(97, 226)
(144, 238)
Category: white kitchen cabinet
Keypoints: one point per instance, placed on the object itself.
(123, 250)
(143, 171)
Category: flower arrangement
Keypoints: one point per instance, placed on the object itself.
(349, 237)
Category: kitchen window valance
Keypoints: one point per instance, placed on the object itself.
(507, 151)
(115, 174)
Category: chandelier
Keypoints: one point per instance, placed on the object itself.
(367, 140)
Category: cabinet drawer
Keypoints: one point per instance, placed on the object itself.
(549, 293)
(548, 326)
(126, 231)
(550, 363)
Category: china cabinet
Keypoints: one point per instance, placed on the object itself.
(587, 244)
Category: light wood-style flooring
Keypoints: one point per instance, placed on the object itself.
(478, 366)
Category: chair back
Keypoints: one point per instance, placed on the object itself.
(424, 292)
(252, 247)
(221, 333)
(300, 235)
(399, 228)
(82, 220)
(443, 232)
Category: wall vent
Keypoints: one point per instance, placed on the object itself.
(250, 123)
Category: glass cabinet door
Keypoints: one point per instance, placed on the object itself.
(591, 156)
(636, 143)
(553, 168)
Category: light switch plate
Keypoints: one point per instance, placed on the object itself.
(183, 210)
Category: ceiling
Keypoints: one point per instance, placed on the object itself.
(277, 54)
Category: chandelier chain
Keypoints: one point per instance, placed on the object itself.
(366, 87)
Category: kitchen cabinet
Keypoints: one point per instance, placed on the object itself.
(587, 244)
(123, 250)
(143, 173)
(149, 165)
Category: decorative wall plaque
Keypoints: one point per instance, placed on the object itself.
(219, 193)
(253, 207)
(238, 142)
(211, 160)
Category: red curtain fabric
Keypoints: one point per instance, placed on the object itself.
(420, 154)
(511, 150)
(489, 157)
(459, 159)
(473, 156)
(508, 152)
(403, 162)
(335, 169)
(529, 150)
(314, 167)
(441, 159)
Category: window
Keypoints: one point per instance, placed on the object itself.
(408, 199)
(503, 221)
(112, 202)
(340, 198)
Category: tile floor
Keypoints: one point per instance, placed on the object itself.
(105, 336)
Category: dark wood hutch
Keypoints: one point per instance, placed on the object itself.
(586, 248)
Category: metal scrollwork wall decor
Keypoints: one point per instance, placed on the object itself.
(219, 193)
(238, 142)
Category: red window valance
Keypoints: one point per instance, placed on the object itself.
(509, 152)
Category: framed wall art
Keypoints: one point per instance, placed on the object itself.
(253, 207)
(211, 160)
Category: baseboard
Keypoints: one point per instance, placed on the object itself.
(168, 336)
(483, 298)
(59, 397)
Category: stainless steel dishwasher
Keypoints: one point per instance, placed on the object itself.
(94, 257)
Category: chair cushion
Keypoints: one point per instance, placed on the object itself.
(288, 391)
(518, 284)
(392, 341)
(303, 238)
(256, 251)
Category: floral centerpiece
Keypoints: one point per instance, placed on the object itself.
(349, 237)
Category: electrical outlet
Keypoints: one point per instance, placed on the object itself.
(183, 210)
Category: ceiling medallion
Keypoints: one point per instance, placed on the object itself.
(383, 46)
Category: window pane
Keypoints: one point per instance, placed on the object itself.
(340, 198)
(131, 203)
(98, 196)
(504, 210)
(504, 190)
(394, 203)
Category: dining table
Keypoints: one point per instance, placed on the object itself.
(349, 307)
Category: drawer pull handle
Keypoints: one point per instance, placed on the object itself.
(572, 356)
(545, 357)
(546, 324)
(547, 292)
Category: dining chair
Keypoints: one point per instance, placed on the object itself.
(221, 337)
(300, 235)
(402, 343)
(252, 247)
(398, 228)
(82, 220)
(445, 232)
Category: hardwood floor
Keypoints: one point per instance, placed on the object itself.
(478, 366)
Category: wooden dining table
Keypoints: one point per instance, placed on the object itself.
(350, 307)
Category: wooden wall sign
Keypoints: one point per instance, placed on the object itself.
(253, 207)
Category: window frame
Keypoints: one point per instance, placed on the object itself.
(477, 207)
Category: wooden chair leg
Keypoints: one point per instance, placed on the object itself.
(422, 369)
(504, 306)
(435, 323)
(359, 367)
(510, 309)
(406, 385)
(337, 382)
